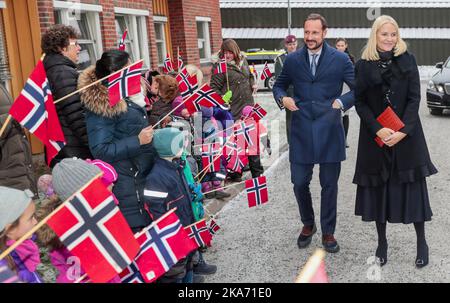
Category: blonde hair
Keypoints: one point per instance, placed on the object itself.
(194, 70)
(370, 52)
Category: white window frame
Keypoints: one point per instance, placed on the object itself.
(161, 21)
(206, 24)
(2, 4)
(133, 18)
(92, 14)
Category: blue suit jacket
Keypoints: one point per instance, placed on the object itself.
(317, 133)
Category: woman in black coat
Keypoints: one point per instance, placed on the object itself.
(60, 45)
(391, 179)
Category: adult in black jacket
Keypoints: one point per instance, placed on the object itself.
(391, 179)
(60, 45)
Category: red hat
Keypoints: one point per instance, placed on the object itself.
(109, 173)
(290, 39)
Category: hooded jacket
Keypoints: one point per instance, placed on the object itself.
(113, 138)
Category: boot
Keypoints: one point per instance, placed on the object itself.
(220, 193)
(206, 187)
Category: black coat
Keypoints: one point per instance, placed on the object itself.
(63, 76)
(411, 160)
(113, 137)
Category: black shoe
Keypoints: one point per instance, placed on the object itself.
(381, 254)
(422, 257)
(210, 195)
(330, 244)
(202, 268)
(234, 177)
(198, 279)
(306, 235)
(220, 194)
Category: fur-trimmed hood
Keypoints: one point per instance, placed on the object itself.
(95, 98)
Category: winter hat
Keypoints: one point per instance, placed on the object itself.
(70, 175)
(247, 111)
(13, 203)
(109, 173)
(168, 142)
(45, 185)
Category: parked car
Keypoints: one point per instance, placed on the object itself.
(256, 59)
(438, 90)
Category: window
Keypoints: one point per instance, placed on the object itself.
(160, 40)
(5, 75)
(87, 23)
(204, 45)
(136, 42)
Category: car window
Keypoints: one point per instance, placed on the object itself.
(447, 65)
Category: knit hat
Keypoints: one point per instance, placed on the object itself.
(246, 111)
(70, 175)
(109, 173)
(168, 142)
(45, 185)
(13, 203)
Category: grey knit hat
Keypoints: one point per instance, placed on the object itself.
(13, 203)
(70, 175)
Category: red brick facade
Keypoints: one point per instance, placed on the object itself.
(181, 19)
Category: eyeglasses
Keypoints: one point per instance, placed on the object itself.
(74, 43)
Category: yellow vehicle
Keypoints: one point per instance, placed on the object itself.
(256, 59)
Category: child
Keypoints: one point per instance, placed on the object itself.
(16, 219)
(69, 176)
(166, 188)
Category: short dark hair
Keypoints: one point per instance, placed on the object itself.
(315, 16)
(57, 37)
(111, 61)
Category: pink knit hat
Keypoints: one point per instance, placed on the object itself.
(247, 111)
(109, 173)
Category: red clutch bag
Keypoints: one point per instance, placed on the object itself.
(389, 119)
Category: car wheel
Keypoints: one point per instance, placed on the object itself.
(436, 111)
(270, 82)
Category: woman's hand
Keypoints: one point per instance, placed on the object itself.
(146, 135)
(394, 138)
(384, 133)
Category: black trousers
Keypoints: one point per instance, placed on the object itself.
(329, 176)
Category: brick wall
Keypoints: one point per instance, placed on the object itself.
(183, 26)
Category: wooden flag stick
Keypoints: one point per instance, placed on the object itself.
(8, 119)
(41, 223)
(80, 278)
(94, 83)
(310, 267)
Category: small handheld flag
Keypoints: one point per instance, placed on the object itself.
(256, 191)
(168, 65)
(266, 74)
(122, 41)
(124, 84)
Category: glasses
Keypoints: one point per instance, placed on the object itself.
(74, 43)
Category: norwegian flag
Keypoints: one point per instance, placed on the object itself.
(246, 131)
(131, 274)
(210, 157)
(237, 162)
(34, 109)
(258, 112)
(205, 96)
(168, 65)
(179, 61)
(122, 40)
(266, 72)
(93, 229)
(221, 67)
(230, 148)
(187, 84)
(213, 227)
(256, 191)
(7, 275)
(124, 84)
(200, 233)
(162, 246)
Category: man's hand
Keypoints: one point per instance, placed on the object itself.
(394, 138)
(337, 105)
(289, 103)
(384, 133)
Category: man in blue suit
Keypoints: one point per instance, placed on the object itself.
(317, 73)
